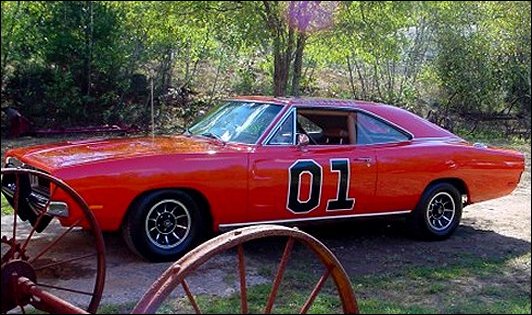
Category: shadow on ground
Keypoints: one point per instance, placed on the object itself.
(374, 246)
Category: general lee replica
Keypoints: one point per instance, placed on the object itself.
(250, 161)
(255, 160)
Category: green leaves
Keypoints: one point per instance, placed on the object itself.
(423, 55)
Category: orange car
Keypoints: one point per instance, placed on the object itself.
(270, 160)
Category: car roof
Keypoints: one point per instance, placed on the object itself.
(417, 126)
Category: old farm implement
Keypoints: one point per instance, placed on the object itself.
(32, 266)
(19, 126)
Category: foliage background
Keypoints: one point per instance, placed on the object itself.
(464, 65)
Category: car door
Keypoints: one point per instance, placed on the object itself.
(402, 167)
(289, 181)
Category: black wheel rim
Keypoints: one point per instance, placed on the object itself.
(168, 224)
(441, 211)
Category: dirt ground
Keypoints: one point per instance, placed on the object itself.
(499, 228)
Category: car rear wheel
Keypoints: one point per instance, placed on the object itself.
(164, 225)
(438, 213)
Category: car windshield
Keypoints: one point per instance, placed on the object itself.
(236, 121)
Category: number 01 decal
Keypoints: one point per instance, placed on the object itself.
(310, 167)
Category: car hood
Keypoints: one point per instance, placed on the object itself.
(71, 153)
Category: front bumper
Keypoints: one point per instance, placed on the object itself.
(34, 197)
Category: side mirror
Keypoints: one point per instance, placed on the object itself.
(302, 140)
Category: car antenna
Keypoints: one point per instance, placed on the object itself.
(151, 103)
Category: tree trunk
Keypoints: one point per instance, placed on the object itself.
(298, 64)
(278, 86)
(376, 78)
(283, 43)
(361, 78)
(166, 70)
(286, 60)
(282, 61)
(218, 70)
(351, 79)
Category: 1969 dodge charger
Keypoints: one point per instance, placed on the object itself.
(271, 160)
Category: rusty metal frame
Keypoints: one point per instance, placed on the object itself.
(20, 290)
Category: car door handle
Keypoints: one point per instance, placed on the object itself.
(366, 160)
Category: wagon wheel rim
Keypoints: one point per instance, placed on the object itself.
(168, 223)
(176, 274)
(23, 261)
(441, 211)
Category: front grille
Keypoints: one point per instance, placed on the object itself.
(37, 186)
(34, 195)
(37, 198)
(40, 185)
(37, 202)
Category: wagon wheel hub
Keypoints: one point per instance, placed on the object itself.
(11, 272)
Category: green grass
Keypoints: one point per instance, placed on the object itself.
(116, 308)
(474, 285)
(6, 208)
(378, 306)
(287, 302)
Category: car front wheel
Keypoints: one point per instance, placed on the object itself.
(438, 213)
(164, 225)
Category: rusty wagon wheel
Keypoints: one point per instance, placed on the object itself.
(31, 264)
(176, 274)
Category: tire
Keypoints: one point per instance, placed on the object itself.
(437, 214)
(164, 225)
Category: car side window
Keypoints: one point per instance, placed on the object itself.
(370, 130)
(326, 126)
(285, 133)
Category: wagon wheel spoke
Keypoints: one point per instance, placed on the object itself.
(16, 202)
(54, 264)
(242, 273)
(279, 275)
(38, 221)
(55, 241)
(190, 297)
(44, 285)
(315, 292)
(34, 228)
(8, 255)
